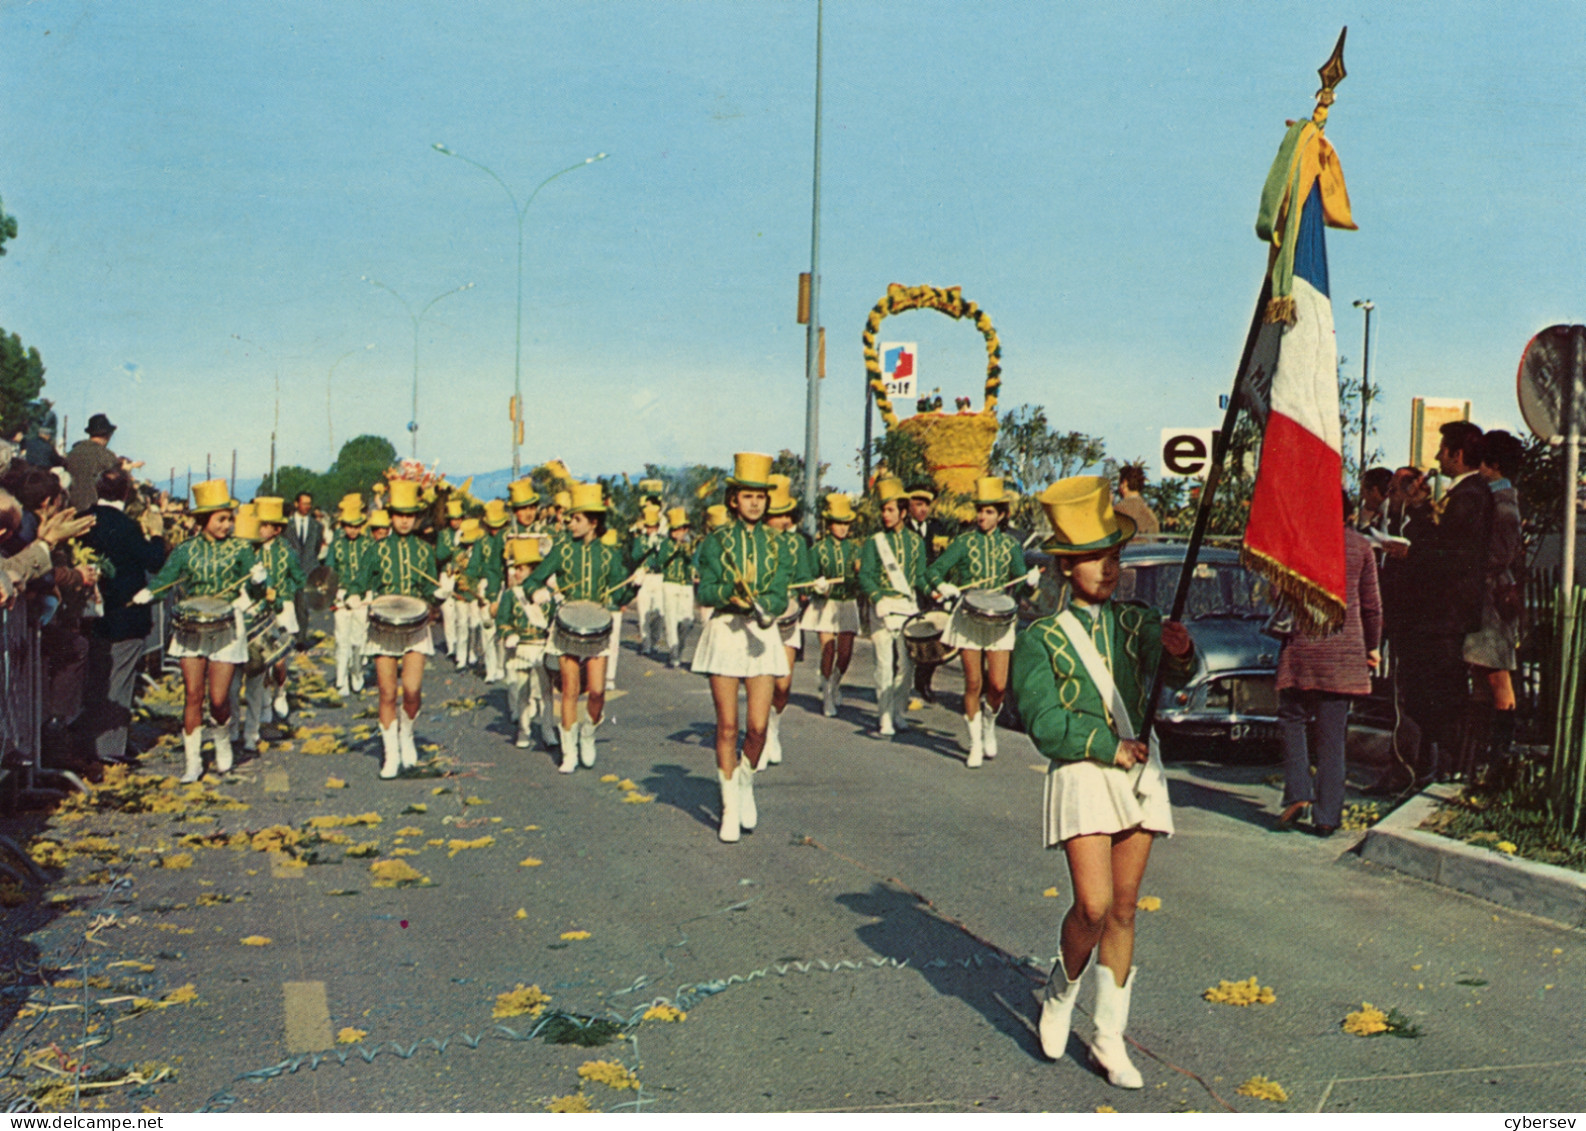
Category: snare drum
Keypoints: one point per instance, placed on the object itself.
(582, 629)
(398, 624)
(922, 636)
(996, 609)
(983, 621)
(203, 624)
(268, 643)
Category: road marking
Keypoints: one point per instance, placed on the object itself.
(275, 781)
(307, 1017)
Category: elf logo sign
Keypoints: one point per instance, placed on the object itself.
(898, 370)
(1187, 452)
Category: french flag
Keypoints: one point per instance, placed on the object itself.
(1295, 533)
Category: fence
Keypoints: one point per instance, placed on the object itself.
(21, 700)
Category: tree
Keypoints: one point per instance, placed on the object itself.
(8, 227)
(291, 481)
(1030, 455)
(21, 378)
(360, 464)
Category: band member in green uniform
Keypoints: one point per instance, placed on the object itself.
(937, 535)
(487, 570)
(522, 626)
(445, 551)
(286, 579)
(584, 568)
(834, 613)
(213, 565)
(892, 575)
(987, 560)
(1081, 681)
(645, 550)
(465, 547)
(349, 615)
(744, 573)
(781, 515)
(403, 565)
(677, 583)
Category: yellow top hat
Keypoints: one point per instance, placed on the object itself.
(890, 488)
(470, 532)
(211, 495)
(1083, 521)
(677, 517)
(271, 510)
(563, 499)
(382, 518)
(651, 486)
(378, 487)
(521, 493)
(558, 469)
(782, 501)
(716, 516)
(351, 512)
(839, 508)
(587, 498)
(523, 552)
(780, 482)
(454, 508)
(404, 497)
(651, 514)
(247, 525)
(351, 498)
(609, 538)
(751, 470)
(990, 492)
(922, 491)
(496, 513)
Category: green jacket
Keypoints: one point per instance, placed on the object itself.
(286, 572)
(403, 564)
(521, 617)
(1061, 707)
(838, 562)
(909, 549)
(345, 559)
(976, 560)
(487, 565)
(207, 568)
(755, 553)
(677, 563)
(584, 571)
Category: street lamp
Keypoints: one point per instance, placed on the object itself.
(330, 425)
(413, 423)
(518, 211)
(1365, 378)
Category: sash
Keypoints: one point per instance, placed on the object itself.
(895, 575)
(1117, 710)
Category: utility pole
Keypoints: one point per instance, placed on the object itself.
(812, 402)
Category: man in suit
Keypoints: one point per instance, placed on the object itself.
(305, 534)
(1442, 586)
(116, 641)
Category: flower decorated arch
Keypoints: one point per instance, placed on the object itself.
(957, 445)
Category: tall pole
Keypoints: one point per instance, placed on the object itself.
(1365, 379)
(1572, 413)
(812, 400)
(416, 319)
(519, 213)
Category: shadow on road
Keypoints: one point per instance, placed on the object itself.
(906, 930)
(687, 791)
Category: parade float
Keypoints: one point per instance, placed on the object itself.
(956, 445)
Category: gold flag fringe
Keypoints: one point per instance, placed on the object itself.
(1281, 309)
(1316, 611)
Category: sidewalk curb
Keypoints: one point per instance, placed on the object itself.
(1544, 890)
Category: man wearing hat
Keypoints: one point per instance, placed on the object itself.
(892, 575)
(834, 614)
(88, 460)
(350, 615)
(677, 583)
(644, 560)
(307, 536)
(523, 628)
(1081, 682)
(979, 565)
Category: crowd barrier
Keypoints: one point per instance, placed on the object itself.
(21, 701)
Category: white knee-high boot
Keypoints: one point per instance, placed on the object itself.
(829, 694)
(773, 740)
(977, 748)
(393, 749)
(407, 747)
(1112, 1017)
(254, 717)
(1057, 1009)
(586, 742)
(222, 738)
(731, 792)
(748, 812)
(569, 737)
(988, 722)
(193, 753)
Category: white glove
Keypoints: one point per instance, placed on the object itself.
(258, 574)
(341, 598)
(823, 585)
(243, 603)
(448, 586)
(947, 591)
(541, 596)
(441, 593)
(354, 602)
(512, 641)
(1033, 578)
(142, 597)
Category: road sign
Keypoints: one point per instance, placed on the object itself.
(1187, 452)
(900, 368)
(1549, 369)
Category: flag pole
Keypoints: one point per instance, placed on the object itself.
(1332, 73)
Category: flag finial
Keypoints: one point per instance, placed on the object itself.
(1332, 73)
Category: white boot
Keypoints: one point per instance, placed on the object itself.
(407, 748)
(569, 736)
(255, 715)
(525, 722)
(731, 791)
(282, 707)
(393, 749)
(773, 740)
(886, 729)
(977, 748)
(586, 742)
(548, 729)
(748, 813)
(1057, 1009)
(193, 751)
(988, 722)
(1112, 1016)
(222, 737)
(837, 691)
(829, 695)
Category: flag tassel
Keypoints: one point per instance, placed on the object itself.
(1316, 611)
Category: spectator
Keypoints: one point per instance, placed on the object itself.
(40, 450)
(89, 459)
(1131, 481)
(1375, 485)
(1317, 678)
(116, 640)
(306, 536)
(30, 559)
(1490, 651)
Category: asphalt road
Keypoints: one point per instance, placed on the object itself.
(874, 945)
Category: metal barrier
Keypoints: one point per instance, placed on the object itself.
(21, 699)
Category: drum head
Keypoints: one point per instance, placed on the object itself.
(583, 618)
(203, 610)
(923, 627)
(999, 606)
(396, 609)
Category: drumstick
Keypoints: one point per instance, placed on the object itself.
(173, 584)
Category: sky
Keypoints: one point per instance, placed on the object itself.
(204, 191)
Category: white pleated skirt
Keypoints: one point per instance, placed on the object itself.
(233, 648)
(1086, 798)
(737, 646)
(424, 646)
(963, 631)
(831, 616)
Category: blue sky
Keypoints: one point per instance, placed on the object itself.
(201, 190)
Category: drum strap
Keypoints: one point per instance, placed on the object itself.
(889, 562)
(1101, 675)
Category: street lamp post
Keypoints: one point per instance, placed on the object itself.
(416, 319)
(330, 423)
(519, 212)
(1365, 378)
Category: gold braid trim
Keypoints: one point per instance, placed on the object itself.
(1316, 611)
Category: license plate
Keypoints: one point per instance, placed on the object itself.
(1252, 732)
